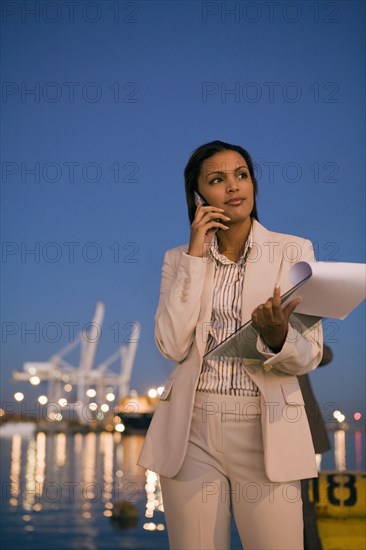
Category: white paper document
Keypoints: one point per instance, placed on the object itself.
(328, 289)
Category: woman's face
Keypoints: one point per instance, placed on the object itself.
(225, 182)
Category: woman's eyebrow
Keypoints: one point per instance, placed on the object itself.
(227, 171)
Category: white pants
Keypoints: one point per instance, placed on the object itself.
(223, 473)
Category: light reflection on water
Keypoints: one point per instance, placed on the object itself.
(340, 449)
(58, 490)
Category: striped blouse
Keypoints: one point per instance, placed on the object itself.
(226, 375)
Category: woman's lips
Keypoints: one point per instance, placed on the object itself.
(234, 202)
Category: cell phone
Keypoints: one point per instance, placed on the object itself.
(198, 199)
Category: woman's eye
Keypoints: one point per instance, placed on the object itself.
(243, 175)
(216, 180)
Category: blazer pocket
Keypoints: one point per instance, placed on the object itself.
(292, 394)
(167, 389)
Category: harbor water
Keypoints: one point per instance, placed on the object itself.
(60, 490)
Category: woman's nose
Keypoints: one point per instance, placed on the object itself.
(232, 183)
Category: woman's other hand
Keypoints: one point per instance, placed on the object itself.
(271, 321)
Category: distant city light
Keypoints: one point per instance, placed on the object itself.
(150, 526)
(104, 408)
(93, 406)
(110, 396)
(119, 427)
(2, 412)
(62, 402)
(18, 396)
(357, 416)
(32, 370)
(133, 393)
(91, 392)
(42, 399)
(35, 380)
(68, 387)
(58, 417)
(100, 416)
(152, 392)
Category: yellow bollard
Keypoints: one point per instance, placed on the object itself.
(340, 503)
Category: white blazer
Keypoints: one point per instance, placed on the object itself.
(182, 318)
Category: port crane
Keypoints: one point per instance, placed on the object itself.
(84, 382)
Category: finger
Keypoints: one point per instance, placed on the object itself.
(267, 311)
(215, 225)
(209, 208)
(262, 317)
(213, 214)
(203, 214)
(254, 318)
(291, 306)
(209, 218)
(277, 296)
(276, 305)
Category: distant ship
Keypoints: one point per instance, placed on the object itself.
(136, 412)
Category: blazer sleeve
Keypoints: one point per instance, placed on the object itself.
(179, 304)
(302, 351)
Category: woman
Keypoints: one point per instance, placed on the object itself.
(231, 435)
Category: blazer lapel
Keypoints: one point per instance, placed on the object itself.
(206, 306)
(261, 270)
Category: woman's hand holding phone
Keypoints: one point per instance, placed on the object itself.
(208, 219)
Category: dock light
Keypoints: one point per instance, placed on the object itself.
(104, 408)
(35, 380)
(2, 412)
(357, 416)
(340, 417)
(93, 406)
(110, 396)
(160, 390)
(119, 427)
(62, 402)
(32, 370)
(68, 387)
(18, 396)
(42, 399)
(91, 392)
(152, 392)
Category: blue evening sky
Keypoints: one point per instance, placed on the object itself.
(102, 104)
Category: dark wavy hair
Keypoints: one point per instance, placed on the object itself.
(193, 170)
